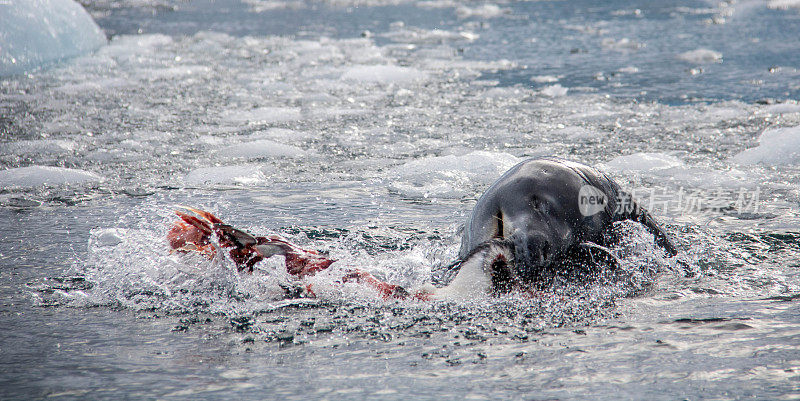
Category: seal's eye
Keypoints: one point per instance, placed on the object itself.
(499, 220)
(536, 203)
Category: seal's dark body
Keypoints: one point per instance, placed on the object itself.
(534, 208)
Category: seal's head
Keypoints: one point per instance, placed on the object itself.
(538, 228)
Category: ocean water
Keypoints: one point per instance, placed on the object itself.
(368, 129)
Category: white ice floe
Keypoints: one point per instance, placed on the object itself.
(554, 91)
(701, 56)
(35, 32)
(669, 169)
(263, 115)
(623, 44)
(545, 79)
(260, 149)
(577, 133)
(36, 176)
(419, 35)
(282, 135)
(449, 176)
(783, 4)
(641, 162)
(782, 108)
(260, 6)
(385, 74)
(775, 147)
(436, 3)
(37, 147)
(242, 174)
(483, 11)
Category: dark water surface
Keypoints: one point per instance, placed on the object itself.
(368, 130)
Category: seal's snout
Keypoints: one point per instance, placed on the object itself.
(532, 251)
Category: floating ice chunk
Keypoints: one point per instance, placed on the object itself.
(336, 112)
(470, 67)
(672, 169)
(588, 29)
(623, 44)
(418, 35)
(701, 56)
(577, 133)
(554, 91)
(264, 115)
(35, 176)
(639, 162)
(382, 73)
(783, 4)
(544, 79)
(261, 149)
(449, 176)
(437, 4)
(775, 147)
(484, 11)
(629, 70)
(38, 147)
(176, 72)
(259, 6)
(282, 135)
(35, 32)
(114, 155)
(782, 108)
(243, 174)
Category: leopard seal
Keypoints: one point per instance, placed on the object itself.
(542, 216)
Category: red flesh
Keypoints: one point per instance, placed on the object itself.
(195, 234)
